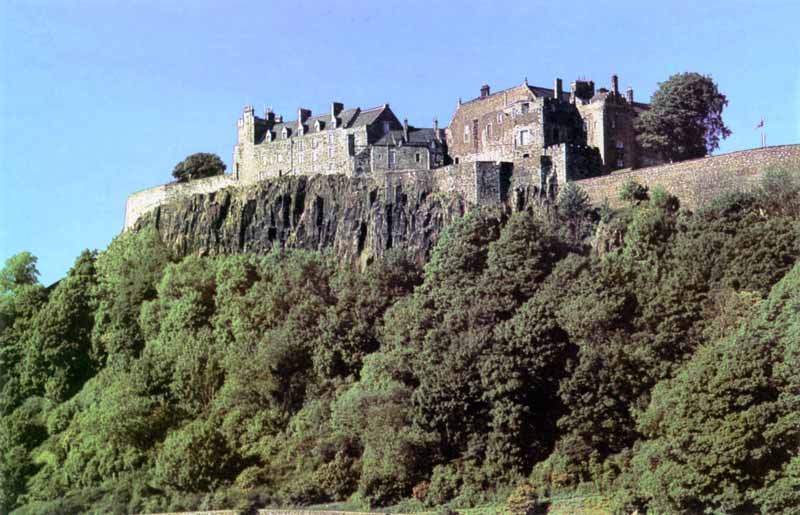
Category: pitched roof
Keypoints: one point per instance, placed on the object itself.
(537, 91)
(416, 137)
(353, 117)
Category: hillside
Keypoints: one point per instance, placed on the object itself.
(640, 358)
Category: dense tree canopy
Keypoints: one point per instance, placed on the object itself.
(648, 353)
(685, 118)
(197, 166)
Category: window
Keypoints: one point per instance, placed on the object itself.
(456, 160)
(620, 145)
(280, 158)
(466, 134)
(330, 138)
(300, 145)
(614, 123)
(524, 137)
(330, 151)
(499, 118)
(417, 157)
(620, 162)
(263, 160)
(386, 127)
(300, 157)
(392, 159)
(489, 131)
(525, 108)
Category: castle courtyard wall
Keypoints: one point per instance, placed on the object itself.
(698, 181)
(144, 201)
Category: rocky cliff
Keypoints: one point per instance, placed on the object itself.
(358, 219)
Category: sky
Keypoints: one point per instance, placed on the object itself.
(99, 99)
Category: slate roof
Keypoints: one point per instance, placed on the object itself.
(416, 138)
(348, 118)
(538, 91)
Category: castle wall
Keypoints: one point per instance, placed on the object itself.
(406, 158)
(143, 201)
(697, 181)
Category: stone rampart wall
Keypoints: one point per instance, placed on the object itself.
(143, 201)
(697, 181)
(457, 178)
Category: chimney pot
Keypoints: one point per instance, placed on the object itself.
(629, 95)
(485, 90)
(436, 129)
(615, 84)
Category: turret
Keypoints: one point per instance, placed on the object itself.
(583, 89)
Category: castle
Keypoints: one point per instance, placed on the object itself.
(543, 136)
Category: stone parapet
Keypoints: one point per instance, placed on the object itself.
(698, 181)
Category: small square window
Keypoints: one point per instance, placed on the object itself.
(620, 163)
(417, 157)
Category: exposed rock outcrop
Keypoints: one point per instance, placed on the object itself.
(358, 219)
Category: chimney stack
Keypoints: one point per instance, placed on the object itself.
(436, 129)
(557, 89)
(629, 95)
(615, 84)
(484, 90)
(269, 116)
(336, 108)
(405, 129)
(303, 115)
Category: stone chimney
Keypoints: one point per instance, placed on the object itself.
(336, 108)
(303, 115)
(405, 129)
(279, 118)
(557, 89)
(484, 90)
(629, 94)
(615, 84)
(269, 116)
(436, 129)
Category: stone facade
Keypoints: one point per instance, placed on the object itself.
(354, 142)
(520, 124)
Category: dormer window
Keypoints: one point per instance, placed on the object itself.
(386, 127)
(269, 135)
(285, 132)
(318, 126)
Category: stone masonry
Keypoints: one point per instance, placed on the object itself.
(521, 140)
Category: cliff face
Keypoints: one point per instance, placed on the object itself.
(358, 219)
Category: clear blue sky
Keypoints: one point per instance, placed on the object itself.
(101, 98)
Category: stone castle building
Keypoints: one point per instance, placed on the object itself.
(532, 126)
(352, 141)
(545, 136)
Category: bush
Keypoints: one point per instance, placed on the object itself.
(633, 192)
(524, 501)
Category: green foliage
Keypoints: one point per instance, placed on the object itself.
(685, 118)
(633, 192)
(19, 270)
(198, 166)
(660, 369)
(524, 501)
(729, 421)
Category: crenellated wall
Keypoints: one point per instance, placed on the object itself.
(697, 181)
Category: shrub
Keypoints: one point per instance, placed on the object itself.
(524, 501)
(633, 192)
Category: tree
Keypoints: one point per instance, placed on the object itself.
(685, 118)
(197, 166)
(20, 269)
